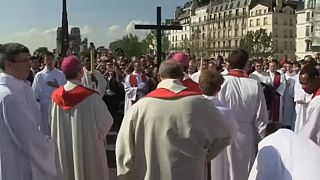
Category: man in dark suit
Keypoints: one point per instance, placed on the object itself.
(35, 68)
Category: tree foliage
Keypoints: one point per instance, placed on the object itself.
(130, 44)
(257, 44)
(40, 51)
(151, 42)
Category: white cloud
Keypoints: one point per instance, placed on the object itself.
(115, 32)
(50, 31)
(85, 30)
(114, 28)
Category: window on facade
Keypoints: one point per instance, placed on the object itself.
(210, 17)
(237, 12)
(218, 44)
(236, 43)
(221, 8)
(229, 33)
(199, 19)
(203, 36)
(181, 37)
(205, 18)
(285, 45)
(256, 12)
(229, 23)
(214, 44)
(229, 44)
(223, 44)
(308, 16)
(224, 34)
(290, 22)
(244, 11)
(230, 13)
(251, 13)
(311, 29)
(225, 14)
(185, 37)
(258, 22)
(243, 32)
(308, 45)
(238, 4)
(219, 15)
(265, 21)
(275, 33)
(236, 32)
(203, 28)
(259, 11)
(219, 34)
(251, 23)
(307, 31)
(291, 46)
(265, 11)
(291, 33)
(285, 33)
(224, 24)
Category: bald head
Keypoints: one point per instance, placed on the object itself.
(170, 70)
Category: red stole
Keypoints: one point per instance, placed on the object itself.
(317, 93)
(238, 73)
(163, 93)
(133, 80)
(191, 85)
(69, 99)
(276, 80)
(275, 110)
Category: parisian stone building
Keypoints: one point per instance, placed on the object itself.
(215, 27)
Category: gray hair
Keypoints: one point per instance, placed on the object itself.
(9, 52)
(170, 70)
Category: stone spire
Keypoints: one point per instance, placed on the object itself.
(65, 31)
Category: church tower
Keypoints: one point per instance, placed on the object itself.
(64, 29)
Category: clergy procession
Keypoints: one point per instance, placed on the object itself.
(231, 118)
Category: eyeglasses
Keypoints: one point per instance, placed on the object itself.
(24, 61)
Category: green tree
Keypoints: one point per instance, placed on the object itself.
(130, 44)
(257, 44)
(151, 40)
(40, 51)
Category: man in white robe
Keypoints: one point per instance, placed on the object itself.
(284, 155)
(210, 83)
(310, 81)
(301, 99)
(26, 153)
(97, 82)
(134, 86)
(171, 133)
(45, 82)
(80, 123)
(288, 97)
(245, 97)
(260, 75)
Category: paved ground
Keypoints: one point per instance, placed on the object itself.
(113, 174)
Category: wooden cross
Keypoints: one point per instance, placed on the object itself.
(159, 27)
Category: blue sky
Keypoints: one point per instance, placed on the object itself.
(34, 22)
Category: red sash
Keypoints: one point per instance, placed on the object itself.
(238, 73)
(317, 93)
(276, 80)
(163, 93)
(191, 85)
(133, 80)
(69, 99)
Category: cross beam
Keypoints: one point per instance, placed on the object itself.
(159, 27)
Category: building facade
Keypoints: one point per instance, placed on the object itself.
(216, 27)
(278, 20)
(306, 33)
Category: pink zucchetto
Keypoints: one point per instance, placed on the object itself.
(69, 63)
(181, 57)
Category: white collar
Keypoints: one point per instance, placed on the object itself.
(173, 85)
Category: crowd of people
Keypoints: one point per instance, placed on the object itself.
(186, 118)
